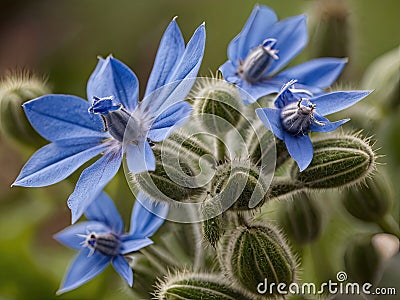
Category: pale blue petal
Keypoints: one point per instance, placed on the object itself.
(257, 90)
(169, 53)
(291, 36)
(228, 71)
(337, 101)
(320, 72)
(147, 216)
(58, 117)
(170, 120)
(271, 118)
(300, 149)
(132, 244)
(254, 32)
(190, 61)
(56, 161)
(122, 267)
(91, 84)
(140, 157)
(70, 236)
(328, 126)
(83, 269)
(103, 210)
(113, 78)
(92, 181)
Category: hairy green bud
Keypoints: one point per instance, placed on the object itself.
(218, 103)
(192, 286)
(370, 202)
(15, 89)
(256, 254)
(301, 218)
(338, 161)
(212, 224)
(240, 183)
(362, 260)
(173, 179)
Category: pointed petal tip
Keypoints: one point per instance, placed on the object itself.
(174, 19)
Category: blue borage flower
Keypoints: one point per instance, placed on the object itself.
(297, 112)
(80, 130)
(101, 240)
(265, 46)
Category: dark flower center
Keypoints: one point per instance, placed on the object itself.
(114, 115)
(257, 61)
(106, 243)
(297, 117)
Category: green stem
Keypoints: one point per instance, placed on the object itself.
(389, 225)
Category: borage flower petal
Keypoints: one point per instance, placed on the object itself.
(82, 129)
(264, 46)
(101, 240)
(297, 112)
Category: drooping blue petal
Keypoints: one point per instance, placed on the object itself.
(300, 149)
(147, 216)
(58, 117)
(140, 157)
(328, 125)
(228, 71)
(56, 161)
(113, 78)
(169, 53)
(257, 90)
(291, 36)
(70, 235)
(83, 269)
(320, 72)
(122, 267)
(92, 181)
(102, 209)
(174, 116)
(253, 33)
(272, 120)
(337, 101)
(132, 244)
(191, 58)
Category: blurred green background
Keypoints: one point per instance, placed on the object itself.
(61, 39)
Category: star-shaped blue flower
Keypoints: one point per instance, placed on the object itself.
(264, 46)
(80, 130)
(101, 240)
(297, 112)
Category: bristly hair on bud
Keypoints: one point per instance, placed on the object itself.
(17, 87)
(257, 253)
(239, 185)
(340, 160)
(187, 285)
(218, 105)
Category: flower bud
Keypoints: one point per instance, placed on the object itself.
(362, 260)
(15, 89)
(198, 287)
(218, 104)
(212, 224)
(370, 202)
(259, 254)
(338, 161)
(301, 218)
(239, 185)
(173, 178)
